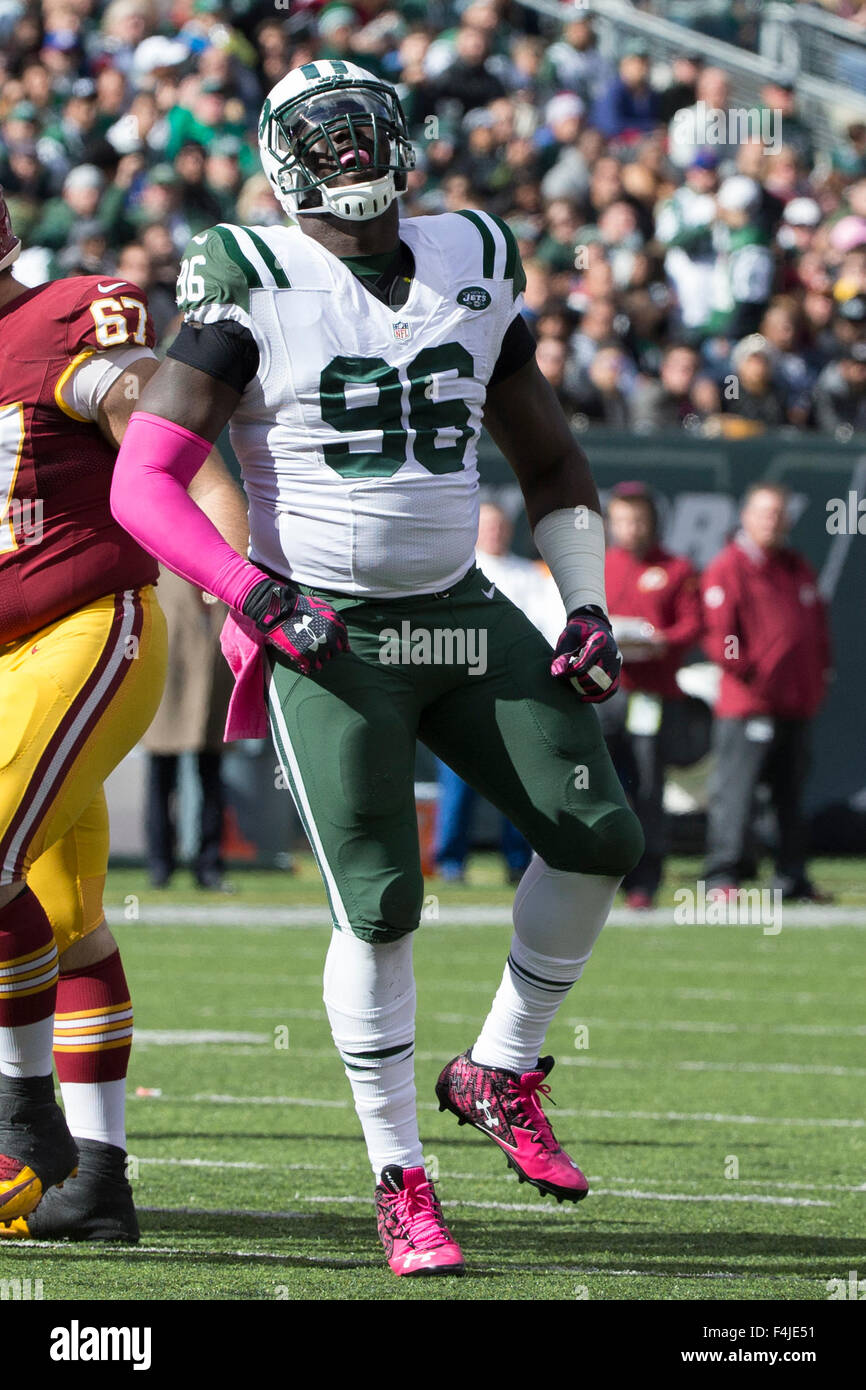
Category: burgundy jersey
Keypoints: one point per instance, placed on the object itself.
(665, 591)
(60, 547)
(768, 602)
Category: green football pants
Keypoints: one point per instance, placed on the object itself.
(467, 674)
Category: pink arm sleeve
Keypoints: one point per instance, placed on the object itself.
(156, 463)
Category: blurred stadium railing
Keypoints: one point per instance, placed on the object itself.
(826, 104)
(809, 41)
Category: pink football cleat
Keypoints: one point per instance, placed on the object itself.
(411, 1226)
(505, 1107)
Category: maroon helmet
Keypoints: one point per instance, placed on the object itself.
(10, 244)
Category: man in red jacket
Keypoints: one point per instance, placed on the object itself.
(655, 607)
(766, 626)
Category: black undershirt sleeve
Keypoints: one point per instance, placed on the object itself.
(225, 350)
(518, 347)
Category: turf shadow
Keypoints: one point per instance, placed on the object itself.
(736, 1253)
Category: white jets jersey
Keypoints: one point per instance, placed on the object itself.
(357, 438)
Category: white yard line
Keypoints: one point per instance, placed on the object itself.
(709, 1118)
(314, 1103)
(224, 1163)
(227, 1211)
(655, 1025)
(631, 1194)
(314, 915)
(206, 1037)
(639, 1064)
(174, 1252)
(703, 1117)
(279, 1014)
(194, 1037)
(624, 1183)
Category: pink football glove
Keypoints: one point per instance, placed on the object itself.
(587, 655)
(307, 631)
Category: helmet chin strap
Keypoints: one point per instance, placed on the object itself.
(356, 202)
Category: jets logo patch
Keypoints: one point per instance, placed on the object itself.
(473, 297)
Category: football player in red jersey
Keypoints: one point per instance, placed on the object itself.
(82, 665)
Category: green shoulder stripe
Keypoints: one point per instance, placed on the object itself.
(510, 246)
(222, 266)
(233, 251)
(269, 259)
(513, 265)
(487, 242)
(213, 271)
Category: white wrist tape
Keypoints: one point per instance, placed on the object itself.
(571, 542)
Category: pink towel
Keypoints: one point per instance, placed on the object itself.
(242, 645)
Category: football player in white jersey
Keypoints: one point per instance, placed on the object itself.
(356, 357)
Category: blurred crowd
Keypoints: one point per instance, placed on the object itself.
(689, 266)
(738, 21)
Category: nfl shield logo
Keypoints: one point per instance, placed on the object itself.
(402, 331)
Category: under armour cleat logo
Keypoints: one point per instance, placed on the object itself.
(417, 1257)
(488, 1118)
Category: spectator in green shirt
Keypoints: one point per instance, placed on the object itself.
(223, 175)
(206, 122)
(84, 198)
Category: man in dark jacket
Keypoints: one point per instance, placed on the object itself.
(468, 81)
(840, 393)
(669, 403)
(628, 106)
(766, 626)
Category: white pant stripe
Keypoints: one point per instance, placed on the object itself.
(293, 777)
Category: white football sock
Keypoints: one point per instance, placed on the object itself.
(96, 1110)
(370, 998)
(27, 1049)
(557, 919)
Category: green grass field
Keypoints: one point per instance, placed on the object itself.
(714, 1099)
